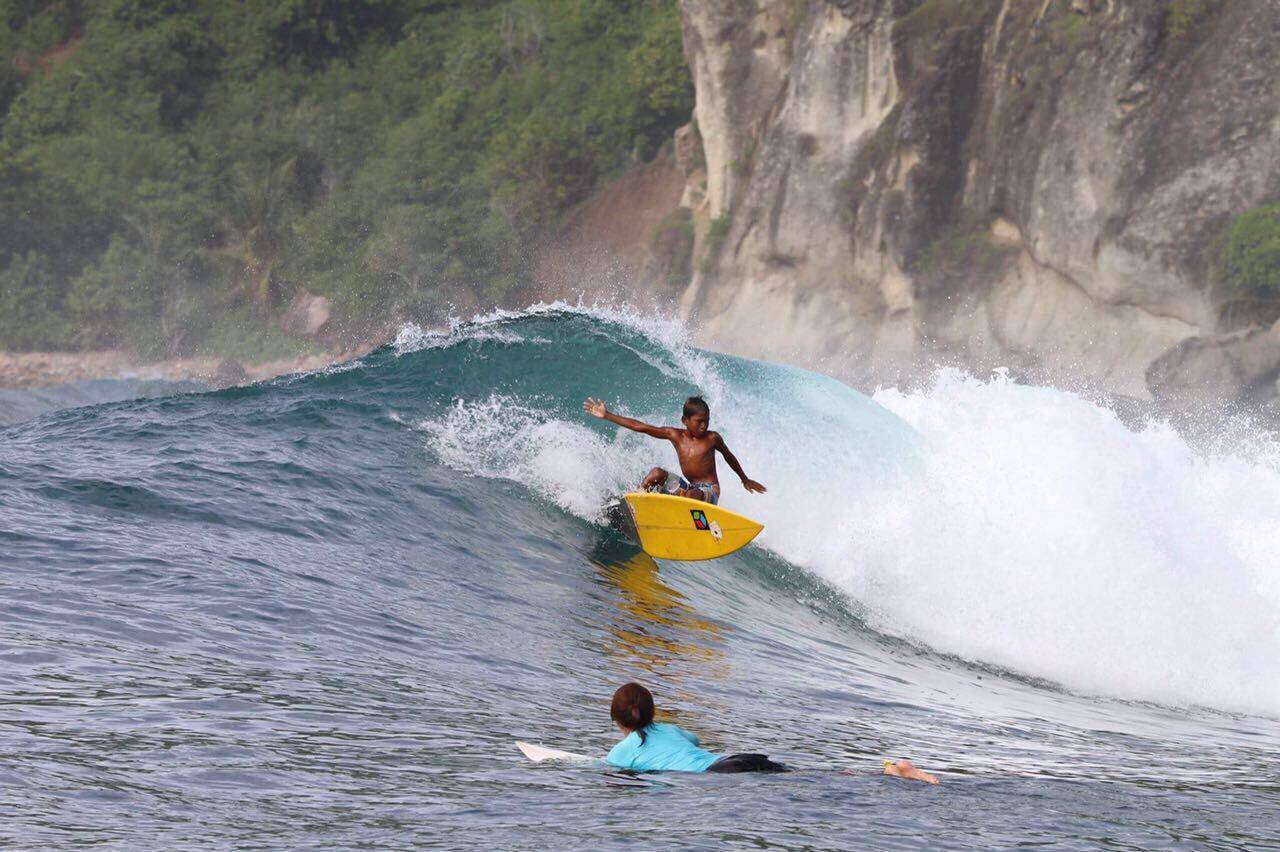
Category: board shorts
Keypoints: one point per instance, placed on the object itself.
(685, 485)
(746, 763)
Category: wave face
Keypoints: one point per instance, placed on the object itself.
(1021, 527)
(319, 608)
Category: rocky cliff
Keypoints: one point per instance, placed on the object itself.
(877, 187)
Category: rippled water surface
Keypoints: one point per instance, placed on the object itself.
(319, 611)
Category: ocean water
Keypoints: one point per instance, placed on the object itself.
(318, 611)
(19, 405)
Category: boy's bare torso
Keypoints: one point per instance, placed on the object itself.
(696, 447)
(697, 455)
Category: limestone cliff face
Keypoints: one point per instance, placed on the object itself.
(1035, 184)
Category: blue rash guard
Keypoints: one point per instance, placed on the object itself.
(665, 747)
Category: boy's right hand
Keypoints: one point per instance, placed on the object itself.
(595, 407)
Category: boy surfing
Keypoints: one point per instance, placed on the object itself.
(696, 447)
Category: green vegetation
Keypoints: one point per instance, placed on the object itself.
(1249, 262)
(923, 33)
(959, 255)
(1044, 48)
(1068, 26)
(1183, 16)
(716, 235)
(795, 15)
(672, 245)
(173, 171)
(241, 334)
(930, 14)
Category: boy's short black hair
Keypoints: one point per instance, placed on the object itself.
(696, 405)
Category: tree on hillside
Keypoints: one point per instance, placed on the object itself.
(165, 163)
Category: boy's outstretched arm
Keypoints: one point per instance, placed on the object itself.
(596, 408)
(749, 484)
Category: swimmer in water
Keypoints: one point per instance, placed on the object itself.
(651, 746)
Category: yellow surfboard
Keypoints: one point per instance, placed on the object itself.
(671, 527)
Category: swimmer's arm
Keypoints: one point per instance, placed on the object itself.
(732, 460)
(596, 408)
(619, 756)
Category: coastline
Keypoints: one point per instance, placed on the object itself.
(29, 370)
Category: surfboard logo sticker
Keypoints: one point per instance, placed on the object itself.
(699, 519)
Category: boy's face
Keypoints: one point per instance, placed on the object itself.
(697, 423)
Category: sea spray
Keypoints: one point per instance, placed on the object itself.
(566, 463)
(1046, 537)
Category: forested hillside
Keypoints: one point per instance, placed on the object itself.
(173, 171)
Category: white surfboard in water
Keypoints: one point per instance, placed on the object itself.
(538, 754)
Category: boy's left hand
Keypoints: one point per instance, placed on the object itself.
(753, 486)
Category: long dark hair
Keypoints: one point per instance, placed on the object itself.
(632, 708)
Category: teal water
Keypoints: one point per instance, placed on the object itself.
(318, 611)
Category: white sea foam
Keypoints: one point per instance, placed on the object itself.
(502, 438)
(1029, 529)
(414, 338)
(1021, 527)
(660, 329)
(1044, 536)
